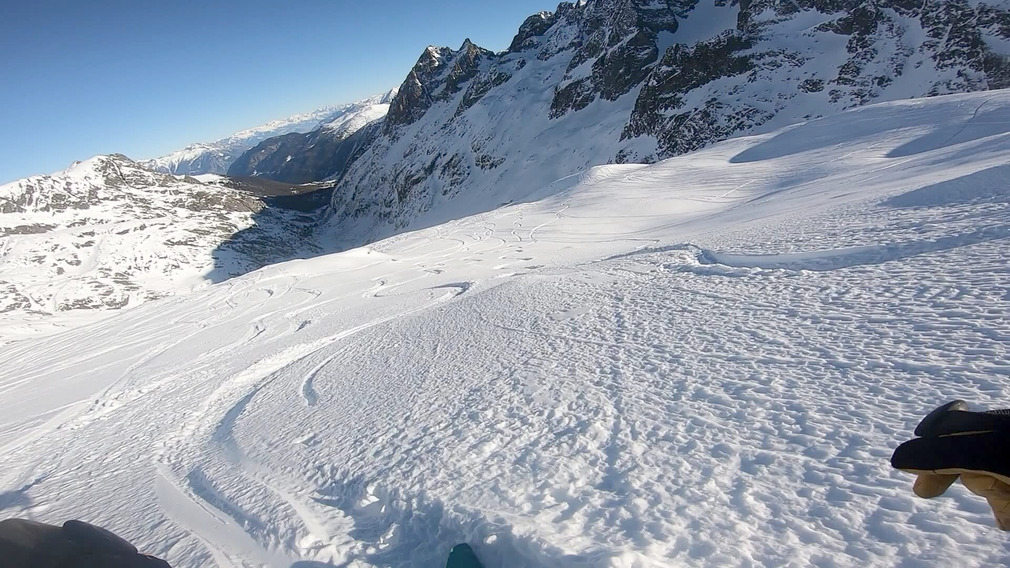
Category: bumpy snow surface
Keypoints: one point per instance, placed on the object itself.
(703, 362)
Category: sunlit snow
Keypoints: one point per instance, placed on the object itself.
(702, 362)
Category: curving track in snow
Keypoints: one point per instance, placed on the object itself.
(702, 362)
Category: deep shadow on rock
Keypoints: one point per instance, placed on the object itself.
(282, 229)
(288, 226)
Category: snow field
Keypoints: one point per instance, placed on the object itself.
(703, 362)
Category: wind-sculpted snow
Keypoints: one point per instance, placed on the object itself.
(706, 361)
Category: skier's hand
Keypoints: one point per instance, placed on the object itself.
(76, 544)
(957, 443)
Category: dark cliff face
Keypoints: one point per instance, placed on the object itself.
(534, 26)
(415, 94)
(268, 158)
(438, 74)
(304, 158)
(619, 40)
(682, 70)
(878, 50)
(613, 48)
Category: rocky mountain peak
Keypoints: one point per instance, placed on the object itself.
(600, 81)
(107, 233)
(438, 73)
(387, 97)
(466, 64)
(413, 97)
(534, 26)
(886, 49)
(595, 81)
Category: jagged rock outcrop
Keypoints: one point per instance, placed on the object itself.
(534, 26)
(617, 44)
(761, 69)
(415, 94)
(438, 74)
(593, 82)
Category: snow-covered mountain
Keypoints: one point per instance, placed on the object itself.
(702, 362)
(108, 233)
(599, 81)
(216, 157)
(317, 154)
(605, 81)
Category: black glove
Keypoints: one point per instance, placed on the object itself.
(76, 544)
(958, 443)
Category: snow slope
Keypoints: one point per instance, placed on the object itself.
(706, 361)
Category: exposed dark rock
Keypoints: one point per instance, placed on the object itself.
(620, 40)
(574, 96)
(481, 86)
(304, 158)
(621, 69)
(465, 65)
(534, 26)
(416, 93)
(681, 70)
(677, 74)
(268, 156)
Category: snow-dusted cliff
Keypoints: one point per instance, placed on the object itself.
(632, 80)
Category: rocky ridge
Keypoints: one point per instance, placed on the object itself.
(603, 81)
(596, 82)
(108, 233)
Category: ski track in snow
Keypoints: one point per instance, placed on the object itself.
(703, 362)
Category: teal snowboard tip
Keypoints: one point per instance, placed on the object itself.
(462, 556)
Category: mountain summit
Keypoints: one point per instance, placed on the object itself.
(596, 82)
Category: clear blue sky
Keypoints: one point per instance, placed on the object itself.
(146, 77)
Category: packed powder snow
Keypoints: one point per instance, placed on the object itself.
(706, 361)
